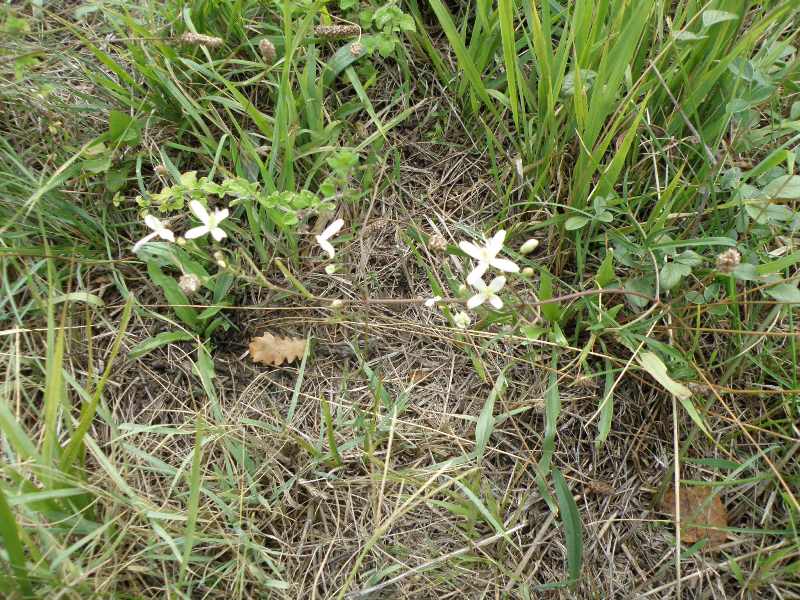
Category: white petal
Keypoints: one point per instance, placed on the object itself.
(471, 249)
(220, 215)
(153, 223)
(326, 246)
(495, 244)
(475, 276)
(332, 229)
(166, 234)
(429, 303)
(496, 302)
(504, 265)
(199, 211)
(475, 301)
(144, 240)
(218, 233)
(196, 232)
(497, 284)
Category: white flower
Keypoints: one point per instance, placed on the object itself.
(210, 223)
(330, 231)
(529, 246)
(431, 302)
(487, 292)
(487, 257)
(461, 319)
(159, 230)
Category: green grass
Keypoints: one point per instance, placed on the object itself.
(650, 147)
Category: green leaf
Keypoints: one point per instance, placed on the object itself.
(605, 274)
(672, 273)
(712, 17)
(551, 312)
(177, 299)
(162, 339)
(786, 187)
(483, 430)
(344, 57)
(12, 544)
(122, 128)
(658, 371)
(571, 521)
(575, 222)
(784, 292)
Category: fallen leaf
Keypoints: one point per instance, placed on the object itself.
(702, 516)
(273, 350)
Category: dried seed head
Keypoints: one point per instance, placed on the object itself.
(330, 32)
(161, 170)
(437, 243)
(198, 39)
(189, 284)
(728, 260)
(267, 49)
(356, 48)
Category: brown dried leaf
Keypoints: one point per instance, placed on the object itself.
(273, 350)
(701, 515)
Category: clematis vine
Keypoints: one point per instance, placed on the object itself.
(487, 257)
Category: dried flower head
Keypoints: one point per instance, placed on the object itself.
(437, 243)
(356, 48)
(267, 49)
(728, 260)
(198, 39)
(189, 284)
(330, 32)
(161, 170)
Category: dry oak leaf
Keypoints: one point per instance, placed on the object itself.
(702, 516)
(273, 350)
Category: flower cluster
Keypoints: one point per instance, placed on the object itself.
(486, 257)
(210, 224)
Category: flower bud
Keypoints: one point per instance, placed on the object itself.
(529, 246)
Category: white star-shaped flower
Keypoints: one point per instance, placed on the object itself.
(487, 292)
(330, 231)
(159, 230)
(210, 223)
(487, 257)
